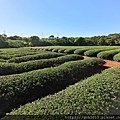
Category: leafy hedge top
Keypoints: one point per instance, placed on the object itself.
(108, 54)
(10, 53)
(117, 57)
(99, 94)
(81, 51)
(34, 57)
(94, 52)
(21, 88)
(69, 51)
(15, 68)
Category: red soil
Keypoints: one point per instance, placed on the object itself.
(109, 63)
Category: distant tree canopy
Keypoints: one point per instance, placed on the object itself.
(3, 41)
(34, 41)
(15, 37)
(80, 41)
(111, 39)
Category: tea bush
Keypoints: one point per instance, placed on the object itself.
(22, 88)
(117, 57)
(34, 57)
(97, 95)
(108, 54)
(15, 68)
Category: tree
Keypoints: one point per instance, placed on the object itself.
(14, 37)
(3, 42)
(51, 37)
(80, 41)
(101, 40)
(34, 40)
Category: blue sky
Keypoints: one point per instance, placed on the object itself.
(59, 17)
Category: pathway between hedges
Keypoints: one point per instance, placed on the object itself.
(109, 63)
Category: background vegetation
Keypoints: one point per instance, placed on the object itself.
(17, 41)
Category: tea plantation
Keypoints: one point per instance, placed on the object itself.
(57, 80)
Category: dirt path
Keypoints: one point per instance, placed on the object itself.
(109, 63)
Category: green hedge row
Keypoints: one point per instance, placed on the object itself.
(117, 57)
(93, 52)
(97, 95)
(2, 60)
(80, 51)
(22, 88)
(69, 51)
(7, 56)
(50, 49)
(61, 50)
(108, 54)
(15, 68)
(34, 57)
(55, 50)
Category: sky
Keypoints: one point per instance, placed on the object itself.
(72, 18)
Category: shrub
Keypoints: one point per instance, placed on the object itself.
(9, 55)
(2, 60)
(22, 88)
(108, 54)
(69, 51)
(16, 43)
(94, 52)
(117, 57)
(5, 57)
(46, 49)
(50, 49)
(80, 51)
(3, 43)
(34, 57)
(61, 50)
(14, 68)
(97, 95)
(55, 50)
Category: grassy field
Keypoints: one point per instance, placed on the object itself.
(57, 80)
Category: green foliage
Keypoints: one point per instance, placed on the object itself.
(69, 51)
(34, 57)
(34, 40)
(80, 41)
(108, 54)
(10, 53)
(18, 89)
(61, 50)
(117, 57)
(3, 43)
(50, 49)
(2, 60)
(15, 37)
(14, 68)
(55, 50)
(97, 95)
(16, 43)
(80, 51)
(93, 53)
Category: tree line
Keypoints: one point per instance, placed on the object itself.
(17, 41)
